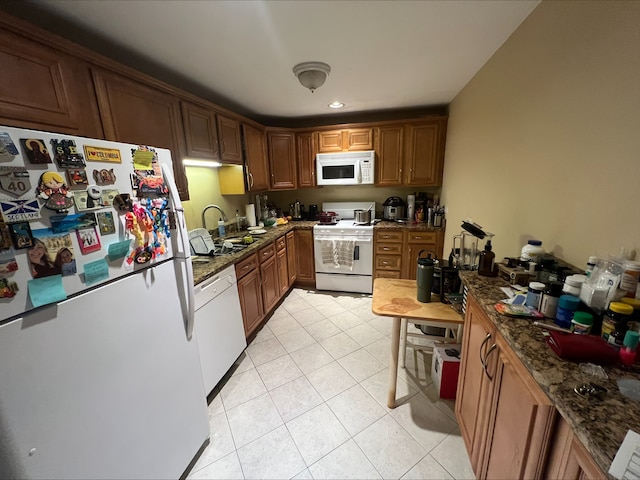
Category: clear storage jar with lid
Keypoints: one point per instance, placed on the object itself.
(616, 322)
(532, 251)
(567, 305)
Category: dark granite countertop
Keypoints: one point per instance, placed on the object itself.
(206, 267)
(601, 425)
(387, 225)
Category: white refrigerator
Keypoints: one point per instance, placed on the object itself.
(99, 375)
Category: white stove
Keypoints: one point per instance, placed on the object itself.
(344, 251)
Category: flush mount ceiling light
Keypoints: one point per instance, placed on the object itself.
(312, 74)
(336, 105)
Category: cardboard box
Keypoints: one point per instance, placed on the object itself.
(445, 369)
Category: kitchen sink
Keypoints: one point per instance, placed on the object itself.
(202, 244)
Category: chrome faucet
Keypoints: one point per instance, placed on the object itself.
(204, 210)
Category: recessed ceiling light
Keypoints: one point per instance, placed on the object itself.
(336, 105)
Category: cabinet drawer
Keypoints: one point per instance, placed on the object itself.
(389, 236)
(388, 249)
(281, 243)
(388, 262)
(422, 237)
(247, 265)
(265, 253)
(386, 274)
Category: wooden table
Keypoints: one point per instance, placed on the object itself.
(397, 298)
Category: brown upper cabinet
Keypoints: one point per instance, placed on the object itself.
(282, 159)
(353, 139)
(229, 140)
(42, 88)
(306, 149)
(200, 131)
(255, 159)
(411, 153)
(133, 112)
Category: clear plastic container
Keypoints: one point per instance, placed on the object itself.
(532, 251)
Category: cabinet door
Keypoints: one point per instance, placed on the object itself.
(306, 159)
(282, 160)
(306, 270)
(200, 131)
(256, 159)
(415, 242)
(229, 140)
(359, 139)
(251, 301)
(283, 272)
(330, 141)
(477, 367)
(41, 88)
(424, 154)
(390, 150)
(291, 257)
(270, 284)
(133, 112)
(520, 421)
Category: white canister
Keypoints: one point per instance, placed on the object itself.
(411, 206)
(532, 251)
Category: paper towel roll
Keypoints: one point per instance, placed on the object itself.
(250, 211)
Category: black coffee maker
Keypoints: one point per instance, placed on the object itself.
(313, 212)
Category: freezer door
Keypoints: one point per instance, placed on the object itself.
(104, 385)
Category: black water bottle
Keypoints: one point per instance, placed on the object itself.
(424, 277)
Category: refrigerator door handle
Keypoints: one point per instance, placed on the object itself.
(183, 253)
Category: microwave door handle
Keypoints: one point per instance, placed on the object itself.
(358, 172)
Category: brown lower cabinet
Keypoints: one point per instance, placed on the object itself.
(305, 268)
(292, 263)
(507, 422)
(396, 251)
(269, 276)
(250, 292)
(283, 268)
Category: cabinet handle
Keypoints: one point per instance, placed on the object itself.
(251, 178)
(386, 248)
(486, 339)
(484, 365)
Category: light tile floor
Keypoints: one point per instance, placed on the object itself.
(307, 400)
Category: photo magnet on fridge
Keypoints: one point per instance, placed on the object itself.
(88, 240)
(35, 150)
(67, 154)
(14, 181)
(106, 225)
(21, 235)
(5, 236)
(104, 176)
(67, 223)
(8, 262)
(77, 178)
(8, 150)
(8, 288)
(49, 253)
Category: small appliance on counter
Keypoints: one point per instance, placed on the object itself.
(296, 210)
(465, 256)
(394, 209)
(313, 213)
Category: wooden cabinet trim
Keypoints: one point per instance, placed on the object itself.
(246, 265)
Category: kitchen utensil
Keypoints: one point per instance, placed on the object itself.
(362, 217)
(328, 218)
(394, 208)
(297, 210)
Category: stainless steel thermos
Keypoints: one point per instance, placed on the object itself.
(424, 276)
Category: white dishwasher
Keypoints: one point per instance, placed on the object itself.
(218, 326)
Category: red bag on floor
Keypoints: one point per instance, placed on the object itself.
(582, 348)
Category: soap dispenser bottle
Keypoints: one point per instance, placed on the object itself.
(486, 260)
(221, 231)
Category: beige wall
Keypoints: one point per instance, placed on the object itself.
(544, 142)
(204, 189)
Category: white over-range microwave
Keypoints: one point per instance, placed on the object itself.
(347, 168)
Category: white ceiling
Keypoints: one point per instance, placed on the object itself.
(383, 54)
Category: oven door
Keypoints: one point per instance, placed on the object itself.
(362, 262)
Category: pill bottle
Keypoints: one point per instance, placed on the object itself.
(634, 324)
(534, 293)
(616, 322)
(629, 278)
(591, 265)
(573, 284)
(567, 305)
(532, 251)
(582, 323)
(549, 300)
(629, 347)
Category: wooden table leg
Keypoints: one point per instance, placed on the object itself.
(393, 364)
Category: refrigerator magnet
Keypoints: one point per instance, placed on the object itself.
(106, 225)
(14, 181)
(21, 235)
(77, 178)
(53, 189)
(8, 288)
(5, 236)
(8, 262)
(8, 150)
(88, 240)
(35, 150)
(104, 176)
(67, 154)
(20, 210)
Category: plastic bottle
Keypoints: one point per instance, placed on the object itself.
(221, 231)
(573, 284)
(630, 277)
(238, 226)
(591, 265)
(629, 347)
(582, 322)
(550, 298)
(534, 294)
(532, 251)
(567, 305)
(485, 262)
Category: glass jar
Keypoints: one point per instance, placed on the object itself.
(616, 322)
